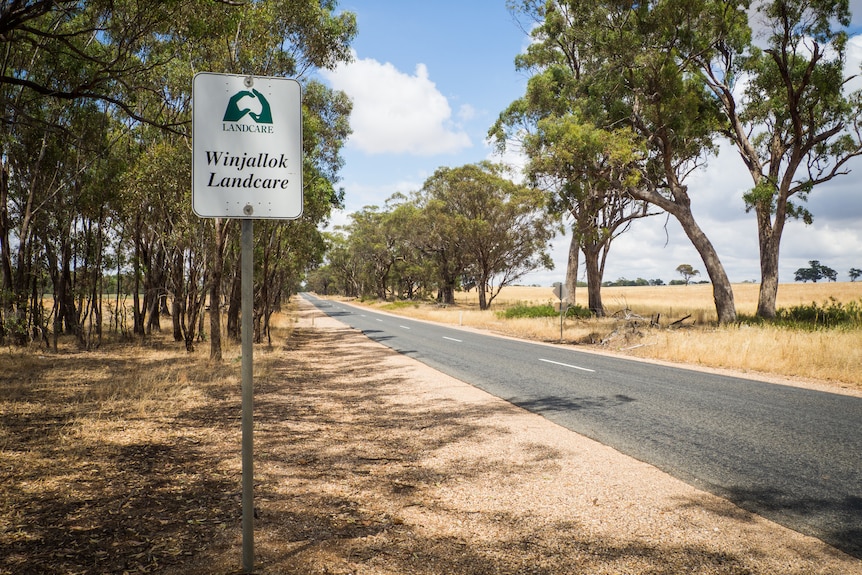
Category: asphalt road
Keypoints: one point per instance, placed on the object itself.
(789, 454)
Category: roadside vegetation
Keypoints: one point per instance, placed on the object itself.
(122, 459)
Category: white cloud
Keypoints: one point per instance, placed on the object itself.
(364, 195)
(853, 62)
(399, 113)
(466, 112)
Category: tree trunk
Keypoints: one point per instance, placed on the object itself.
(680, 208)
(447, 289)
(722, 292)
(177, 317)
(572, 268)
(178, 299)
(5, 250)
(59, 291)
(594, 279)
(99, 277)
(482, 287)
(151, 300)
(216, 272)
(769, 239)
(768, 274)
(235, 305)
(446, 293)
(67, 309)
(137, 313)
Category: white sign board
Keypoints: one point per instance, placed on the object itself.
(246, 147)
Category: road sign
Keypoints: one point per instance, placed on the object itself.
(560, 291)
(246, 164)
(246, 147)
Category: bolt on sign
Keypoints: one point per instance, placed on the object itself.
(246, 147)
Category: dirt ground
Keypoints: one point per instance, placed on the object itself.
(366, 463)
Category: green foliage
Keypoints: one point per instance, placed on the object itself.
(815, 271)
(761, 196)
(687, 272)
(831, 314)
(522, 310)
(623, 282)
(615, 116)
(469, 226)
(401, 304)
(96, 176)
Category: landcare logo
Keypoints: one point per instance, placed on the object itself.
(238, 108)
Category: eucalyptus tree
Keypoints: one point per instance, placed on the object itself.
(791, 117)
(284, 252)
(435, 236)
(343, 263)
(70, 71)
(291, 39)
(57, 200)
(135, 61)
(502, 228)
(413, 273)
(620, 65)
(56, 162)
(374, 242)
(590, 172)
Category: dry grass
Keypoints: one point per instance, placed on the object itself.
(679, 300)
(123, 459)
(830, 355)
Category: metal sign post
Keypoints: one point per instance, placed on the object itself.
(562, 293)
(247, 270)
(246, 163)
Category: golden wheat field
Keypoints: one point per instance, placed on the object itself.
(679, 300)
(831, 355)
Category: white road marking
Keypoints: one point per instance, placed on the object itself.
(453, 339)
(403, 327)
(567, 365)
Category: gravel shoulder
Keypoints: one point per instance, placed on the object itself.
(378, 464)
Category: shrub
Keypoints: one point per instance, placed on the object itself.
(831, 314)
(528, 311)
(521, 310)
(399, 304)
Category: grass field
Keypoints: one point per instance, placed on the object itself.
(832, 355)
(679, 300)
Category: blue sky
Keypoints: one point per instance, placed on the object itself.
(430, 78)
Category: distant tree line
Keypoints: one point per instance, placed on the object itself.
(623, 282)
(95, 161)
(469, 227)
